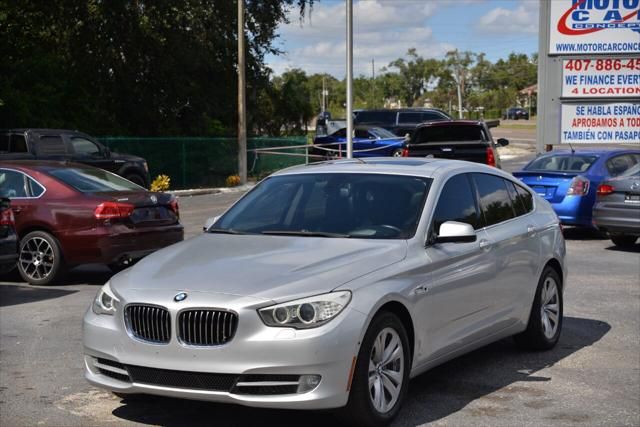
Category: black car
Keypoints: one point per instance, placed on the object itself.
(516, 113)
(401, 121)
(8, 238)
(455, 139)
(71, 145)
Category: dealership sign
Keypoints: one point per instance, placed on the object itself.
(600, 123)
(594, 27)
(601, 78)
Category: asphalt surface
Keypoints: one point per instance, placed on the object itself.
(591, 378)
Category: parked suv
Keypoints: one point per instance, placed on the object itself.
(455, 139)
(402, 121)
(60, 144)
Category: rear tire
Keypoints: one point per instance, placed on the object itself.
(381, 375)
(545, 319)
(40, 260)
(397, 153)
(624, 240)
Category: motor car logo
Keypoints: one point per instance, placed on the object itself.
(635, 185)
(583, 17)
(180, 297)
(154, 199)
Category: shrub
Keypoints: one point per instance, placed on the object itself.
(161, 183)
(232, 181)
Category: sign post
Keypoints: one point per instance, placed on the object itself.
(588, 72)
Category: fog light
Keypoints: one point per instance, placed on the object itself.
(308, 383)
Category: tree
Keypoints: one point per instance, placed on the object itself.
(136, 67)
(417, 74)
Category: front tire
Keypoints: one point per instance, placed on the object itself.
(545, 320)
(40, 259)
(624, 240)
(381, 376)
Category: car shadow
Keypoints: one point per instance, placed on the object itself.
(582, 233)
(632, 249)
(24, 294)
(92, 274)
(432, 396)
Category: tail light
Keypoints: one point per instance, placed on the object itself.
(605, 189)
(405, 152)
(579, 186)
(7, 218)
(491, 158)
(173, 205)
(110, 210)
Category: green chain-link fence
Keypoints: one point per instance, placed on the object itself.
(193, 162)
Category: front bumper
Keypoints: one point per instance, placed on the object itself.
(255, 350)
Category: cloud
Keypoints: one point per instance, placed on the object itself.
(522, 19)
(383, 30)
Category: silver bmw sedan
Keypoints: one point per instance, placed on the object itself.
(331, 285)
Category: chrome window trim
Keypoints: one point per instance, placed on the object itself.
(24, 174)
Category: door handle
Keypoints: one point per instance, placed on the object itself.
(531, 230)
(422, 289)
(16, 210)
(485, 244)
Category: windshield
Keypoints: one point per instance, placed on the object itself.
(375, 206)
(632, 171)
(562, 163)
(93, 180)
(382, 133)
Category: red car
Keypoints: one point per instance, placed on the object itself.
(69, 214)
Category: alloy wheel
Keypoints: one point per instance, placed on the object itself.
(550, 307)
(386, 370)
(37, 258)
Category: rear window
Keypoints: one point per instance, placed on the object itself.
(376, 117)
(562, 163)
(93, 180)
(450, 134)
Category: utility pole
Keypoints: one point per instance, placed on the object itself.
(349, 79)
(324, 94)
(242, 102)
(373, 81)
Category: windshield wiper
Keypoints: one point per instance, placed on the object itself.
(305, 233)
(224, 231)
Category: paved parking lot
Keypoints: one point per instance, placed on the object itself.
(591, 378)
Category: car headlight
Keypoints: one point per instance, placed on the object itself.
(105, 302)
(306, 313)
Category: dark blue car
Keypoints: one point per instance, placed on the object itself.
(367, 142)
(569, 180)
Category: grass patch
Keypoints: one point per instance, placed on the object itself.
(517, 126)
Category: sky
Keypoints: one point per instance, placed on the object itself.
(385, 30)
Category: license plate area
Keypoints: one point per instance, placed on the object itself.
(542, 191)
(632, 198)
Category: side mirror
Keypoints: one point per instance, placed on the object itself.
(502, 142)
(455, 232)
(209, 222)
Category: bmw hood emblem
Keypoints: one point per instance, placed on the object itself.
(180, 297)
(154, 199)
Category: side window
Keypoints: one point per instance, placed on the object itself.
(84, 147)
(456, 203)
(12, 184)
(409, 118)
(518, 205)
(494, 198)
(429, 117)
(363, 133)
(525, 197)
(18, 144)
(51, 145)
(35, 189)
(619, 164)
(4, 143)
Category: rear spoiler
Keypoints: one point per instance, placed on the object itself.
(492, 123)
